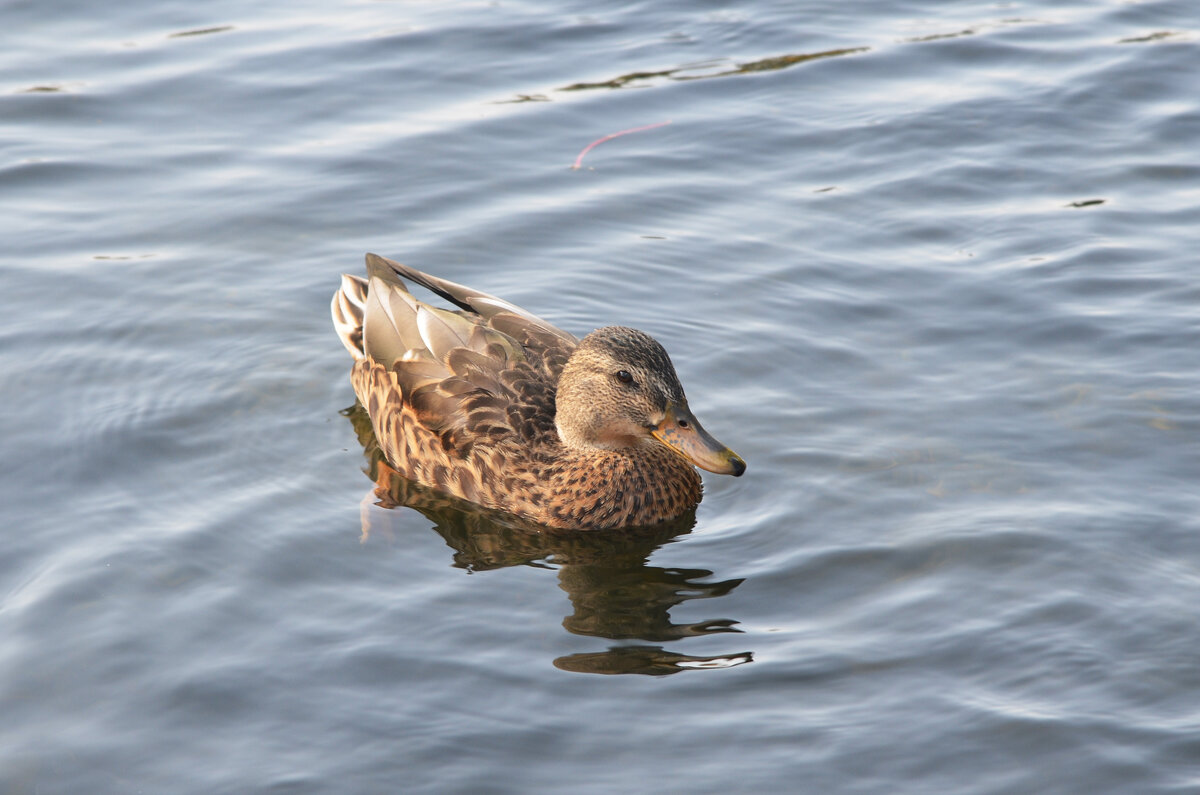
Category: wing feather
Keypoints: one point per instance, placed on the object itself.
(442, 331)
(450, 379)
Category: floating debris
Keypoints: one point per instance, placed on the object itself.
(200, 32)
(1156, 36)
(598, 141)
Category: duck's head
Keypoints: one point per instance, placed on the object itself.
(619, 389)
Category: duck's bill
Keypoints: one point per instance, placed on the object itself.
(680, 431)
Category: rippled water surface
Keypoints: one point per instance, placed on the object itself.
(930, 268)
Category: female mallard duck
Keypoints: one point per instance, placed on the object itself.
(496, 406)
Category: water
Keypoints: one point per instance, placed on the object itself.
(928, 268)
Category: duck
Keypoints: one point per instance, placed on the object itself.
(490, 404)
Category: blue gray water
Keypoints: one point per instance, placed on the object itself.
(930, 268)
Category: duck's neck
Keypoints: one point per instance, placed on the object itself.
(642, 485)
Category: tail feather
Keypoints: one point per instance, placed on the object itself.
(377, 318)
(347, 307)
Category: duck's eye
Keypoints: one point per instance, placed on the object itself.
(624, 377)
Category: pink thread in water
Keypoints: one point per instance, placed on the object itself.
(599, 141)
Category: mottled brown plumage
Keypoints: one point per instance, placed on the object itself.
(496, 406)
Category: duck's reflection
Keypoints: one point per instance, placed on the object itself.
(614, 592)
(648, 660)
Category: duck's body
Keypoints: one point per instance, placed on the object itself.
(496, 406)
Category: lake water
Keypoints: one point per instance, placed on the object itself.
(930, 268)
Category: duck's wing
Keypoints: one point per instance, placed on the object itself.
(435, 378)
(545, 345)
(475, 301)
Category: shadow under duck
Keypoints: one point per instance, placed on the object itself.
(496, 406)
